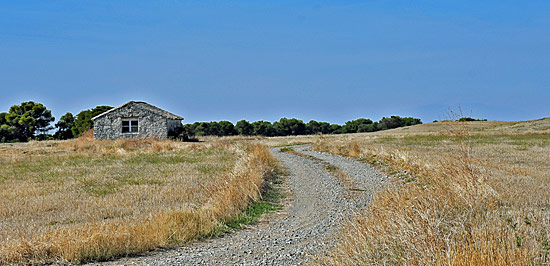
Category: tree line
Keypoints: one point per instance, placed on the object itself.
(293, 126)
(32, 121)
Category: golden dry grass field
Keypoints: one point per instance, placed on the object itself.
(462, 193)
(469, 193)
(84, 199)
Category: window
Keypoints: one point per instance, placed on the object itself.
(129, 126)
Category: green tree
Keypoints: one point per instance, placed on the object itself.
(358, 125)
(188, 132)
(287, 127)
(83, 120)
(6, 131)
(214, 129)
(263, 128)
(24, 120)
(335, 129)
(409, 121)
(324, 127)
(227, 128)
(468, 119)
(396, 121)
(200, 128)
(314, 127)
(244, 128)
(389, 122)
(64, 127)
(3, 118)
(365, 125)
(371, 127)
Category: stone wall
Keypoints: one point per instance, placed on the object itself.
(151, 125)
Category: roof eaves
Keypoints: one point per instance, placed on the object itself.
(110, 110)
(150, 107)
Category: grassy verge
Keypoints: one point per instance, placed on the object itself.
(84, 200)
(270, 201)
(459, 199)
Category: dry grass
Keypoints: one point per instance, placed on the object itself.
(475, 193)
(83, 199)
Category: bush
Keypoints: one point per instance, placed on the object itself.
(467, 119)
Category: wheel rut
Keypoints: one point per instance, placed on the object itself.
(318, 202)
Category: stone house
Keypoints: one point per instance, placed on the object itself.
(135, 120)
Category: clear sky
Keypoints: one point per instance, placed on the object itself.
(261, 60)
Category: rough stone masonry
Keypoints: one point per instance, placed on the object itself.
(135, 119)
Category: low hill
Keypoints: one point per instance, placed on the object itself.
(485, 127)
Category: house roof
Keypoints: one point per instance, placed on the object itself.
(147, 106)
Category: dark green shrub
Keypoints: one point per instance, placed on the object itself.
(467, 119)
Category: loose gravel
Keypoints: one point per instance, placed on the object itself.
(316, 205)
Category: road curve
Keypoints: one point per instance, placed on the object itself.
(317, 204)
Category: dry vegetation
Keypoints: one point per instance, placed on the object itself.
(474, 193)
(83, 199)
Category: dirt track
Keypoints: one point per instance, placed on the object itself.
(317, 204)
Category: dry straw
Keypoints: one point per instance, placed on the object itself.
(461, 197)
(83, 200)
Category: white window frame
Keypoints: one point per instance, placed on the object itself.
(130, 121)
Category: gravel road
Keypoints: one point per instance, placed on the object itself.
(317, 204)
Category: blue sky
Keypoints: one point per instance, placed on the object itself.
(261, 60)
